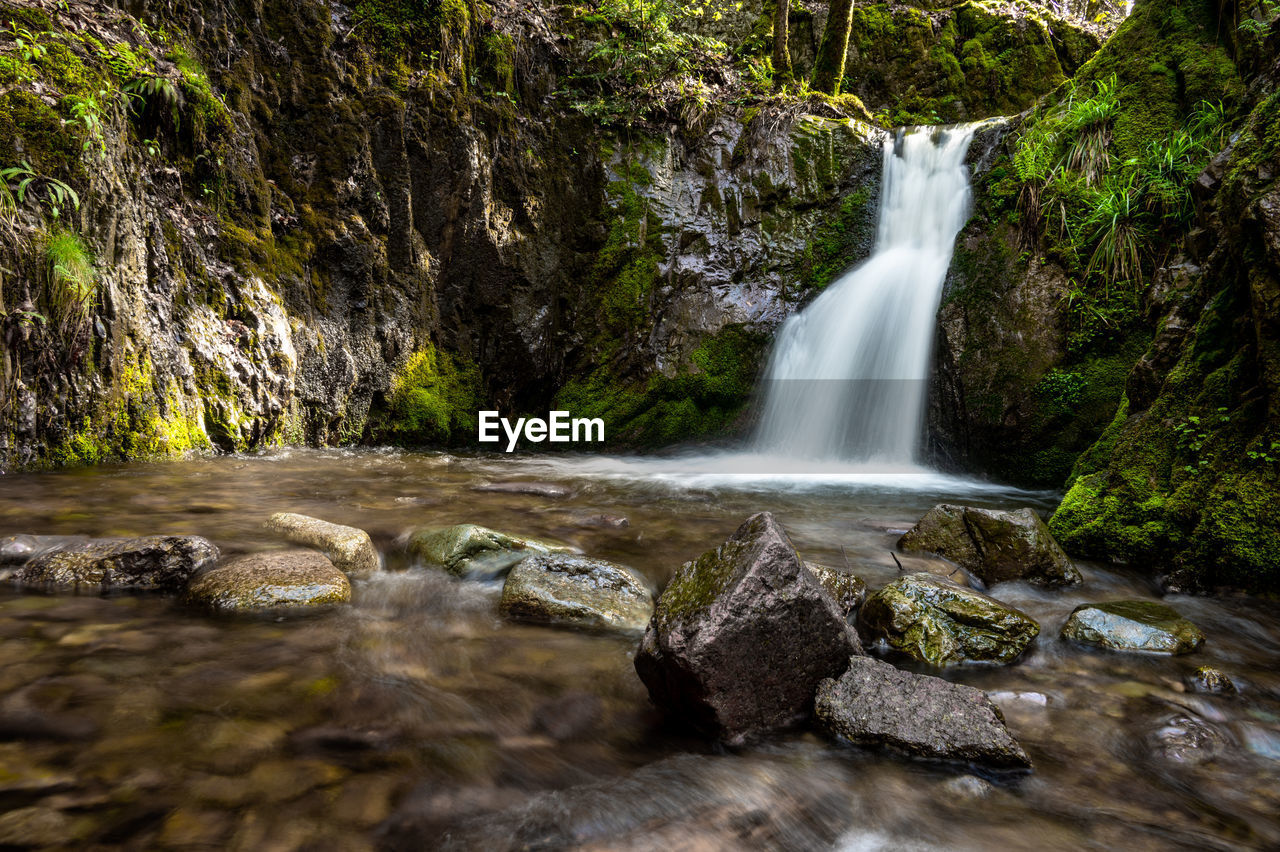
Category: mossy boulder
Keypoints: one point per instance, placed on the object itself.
(1133, 626)
(992, 544)
(1211, 681)
(349, 548)
(873, 703)
(742, 636)
(283, 579)
(937, 621)
(575, 590)
(163, 562)
(848, 590)
(469, 550)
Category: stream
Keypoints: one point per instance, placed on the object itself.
(416, 718)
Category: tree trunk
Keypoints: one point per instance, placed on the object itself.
(781, 49)
(828, 68)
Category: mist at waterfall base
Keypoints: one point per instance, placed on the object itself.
(843, 399)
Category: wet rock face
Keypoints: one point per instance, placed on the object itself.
(873, 703)
(151, 562)
(574, 590)
(286, 579)
(994, 545)
(937, 621)
(742, 636)
(468, 550)
(350, 549)
(848, 590)
(1133, 626)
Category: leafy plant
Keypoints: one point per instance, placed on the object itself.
(87, 114)
(147, 89)
(43, 190)
(1116, 228)
(72, 282)
(27, 43)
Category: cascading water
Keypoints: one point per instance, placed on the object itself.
(847, 379)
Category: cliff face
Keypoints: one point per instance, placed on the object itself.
(286, 232)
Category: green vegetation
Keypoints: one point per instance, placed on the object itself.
(433, 400)
(702, 400)
(72, 283)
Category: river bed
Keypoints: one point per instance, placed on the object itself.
(416, 718)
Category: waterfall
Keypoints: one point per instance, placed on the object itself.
(848, 376)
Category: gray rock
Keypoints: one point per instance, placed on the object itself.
(1207, 679)
(1133, 626)
(533, 489)
(940, 622)
(468, 550)
(349, 548)
(564, 589)
(742, 636)
(994, 545)
(278, 579)
(874, 703)
(849, 590)
(150, 562)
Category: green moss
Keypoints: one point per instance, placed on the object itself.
(434, 399)
(838, 242)
(703, 399)
(697, 584)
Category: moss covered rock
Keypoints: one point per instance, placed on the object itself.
(350, 549)
(150, 562)
(742, 635)
(1133, 626)
(848, 590)
(286, 579)
(993, 545)
(936, 621)
(574, 590)
(469, 550)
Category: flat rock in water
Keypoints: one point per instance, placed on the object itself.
(742, 636)
(849, 590)
(277, 579)
(937, 621)
(149, 562)
(534, 489)
(349, 548)
(469, 550)
(874, 703)
(566, 589)
(1133, 626)
(994, 545)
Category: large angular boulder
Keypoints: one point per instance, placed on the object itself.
(278, 579)
(349, 548)
(1133, 626)
(849, 590)
(940, 622)
(874, 703)
(469, 550)
(742, 636)
(993, 545)
(575, 590)
(150, 562)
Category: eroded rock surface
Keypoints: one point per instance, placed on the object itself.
(575, 590)
(277, 579)
(149, 562)
(1133, 626)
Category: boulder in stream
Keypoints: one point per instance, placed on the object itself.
(149, 562)
(742, 636)
(349, 548)
(1211, 681)
(469, 550)
(994, 545)
(874, 703)
(1133, 626)
(849, 590)
(277, 579)
(937, 621)
(566, 589)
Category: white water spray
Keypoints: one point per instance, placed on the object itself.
(848, 377)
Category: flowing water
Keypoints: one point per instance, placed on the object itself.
(416, 718)
(848, 376)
